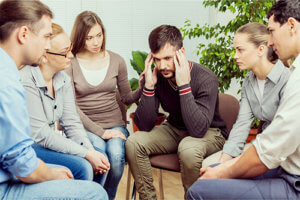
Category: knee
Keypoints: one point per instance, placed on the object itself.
(116, 160)
(190, 157)
(135, 145)
(193, 193)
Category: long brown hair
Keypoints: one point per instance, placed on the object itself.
(258, 34)
(14, 14)
(82, 25)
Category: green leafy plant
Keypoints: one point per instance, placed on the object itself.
(218, 53)
(138, 64)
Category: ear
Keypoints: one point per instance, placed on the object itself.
(23, 34)
(261, 49)
(292, 23)
(183, 50)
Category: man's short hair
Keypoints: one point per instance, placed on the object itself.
(17, 13)
(284, 9)
(162, 35)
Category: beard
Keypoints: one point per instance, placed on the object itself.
(168, 71)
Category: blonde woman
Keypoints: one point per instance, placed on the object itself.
(50, 98)
(263, 86)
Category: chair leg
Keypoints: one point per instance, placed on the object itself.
(161, 187)
(133, 196)
(128, 183)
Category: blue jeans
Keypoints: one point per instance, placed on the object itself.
(115, 150)
(80, 167)
(57, 189)
(274, 184)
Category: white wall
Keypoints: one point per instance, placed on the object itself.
(129, 22)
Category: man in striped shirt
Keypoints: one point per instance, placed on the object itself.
(189, 93)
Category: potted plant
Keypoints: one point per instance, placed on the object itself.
(138, 64)
(253, 131)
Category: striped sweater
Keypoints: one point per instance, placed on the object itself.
(192, 107)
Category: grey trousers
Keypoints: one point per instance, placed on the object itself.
(168, 139)
(274, 184)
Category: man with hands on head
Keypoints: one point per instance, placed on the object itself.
(189, 93)
(269, 169)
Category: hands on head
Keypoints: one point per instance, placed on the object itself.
(150, 76)
(182, 68)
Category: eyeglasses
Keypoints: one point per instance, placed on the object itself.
(60, 54)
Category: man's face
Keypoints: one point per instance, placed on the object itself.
(280, 39)
(164, 60)
(38, 43)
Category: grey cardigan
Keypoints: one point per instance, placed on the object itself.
(44, 111)
(254, 105)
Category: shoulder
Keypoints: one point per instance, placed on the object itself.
(115, 57)
(26, 74)
(203, 73)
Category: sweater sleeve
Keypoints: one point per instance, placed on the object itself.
(127, 96)
(146, 113)
(70, 120)
(198, 111)
(86, 121)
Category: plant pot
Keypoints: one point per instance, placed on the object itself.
(160, 119)
(252, 135)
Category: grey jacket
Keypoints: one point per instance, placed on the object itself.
(254, 105)
(44, 111)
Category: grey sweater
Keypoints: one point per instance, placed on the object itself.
(192, 107)
(97, 105)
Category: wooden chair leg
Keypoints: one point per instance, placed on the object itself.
(161, 187)
(128, 183)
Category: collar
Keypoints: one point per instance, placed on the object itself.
(274, 74)
(6, 60)
(295, 63)
(58, 79)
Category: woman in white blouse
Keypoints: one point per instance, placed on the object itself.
(262, 88)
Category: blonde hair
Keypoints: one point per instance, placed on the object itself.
(258, 34)
(56, 30)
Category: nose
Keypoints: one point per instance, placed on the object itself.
(235, 56)
(95, 41)
(163, 64)
(270, 42)
(48, 45)
(70, 55)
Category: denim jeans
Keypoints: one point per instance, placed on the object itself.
(115, 150)
(57, 189)
(80, 167)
